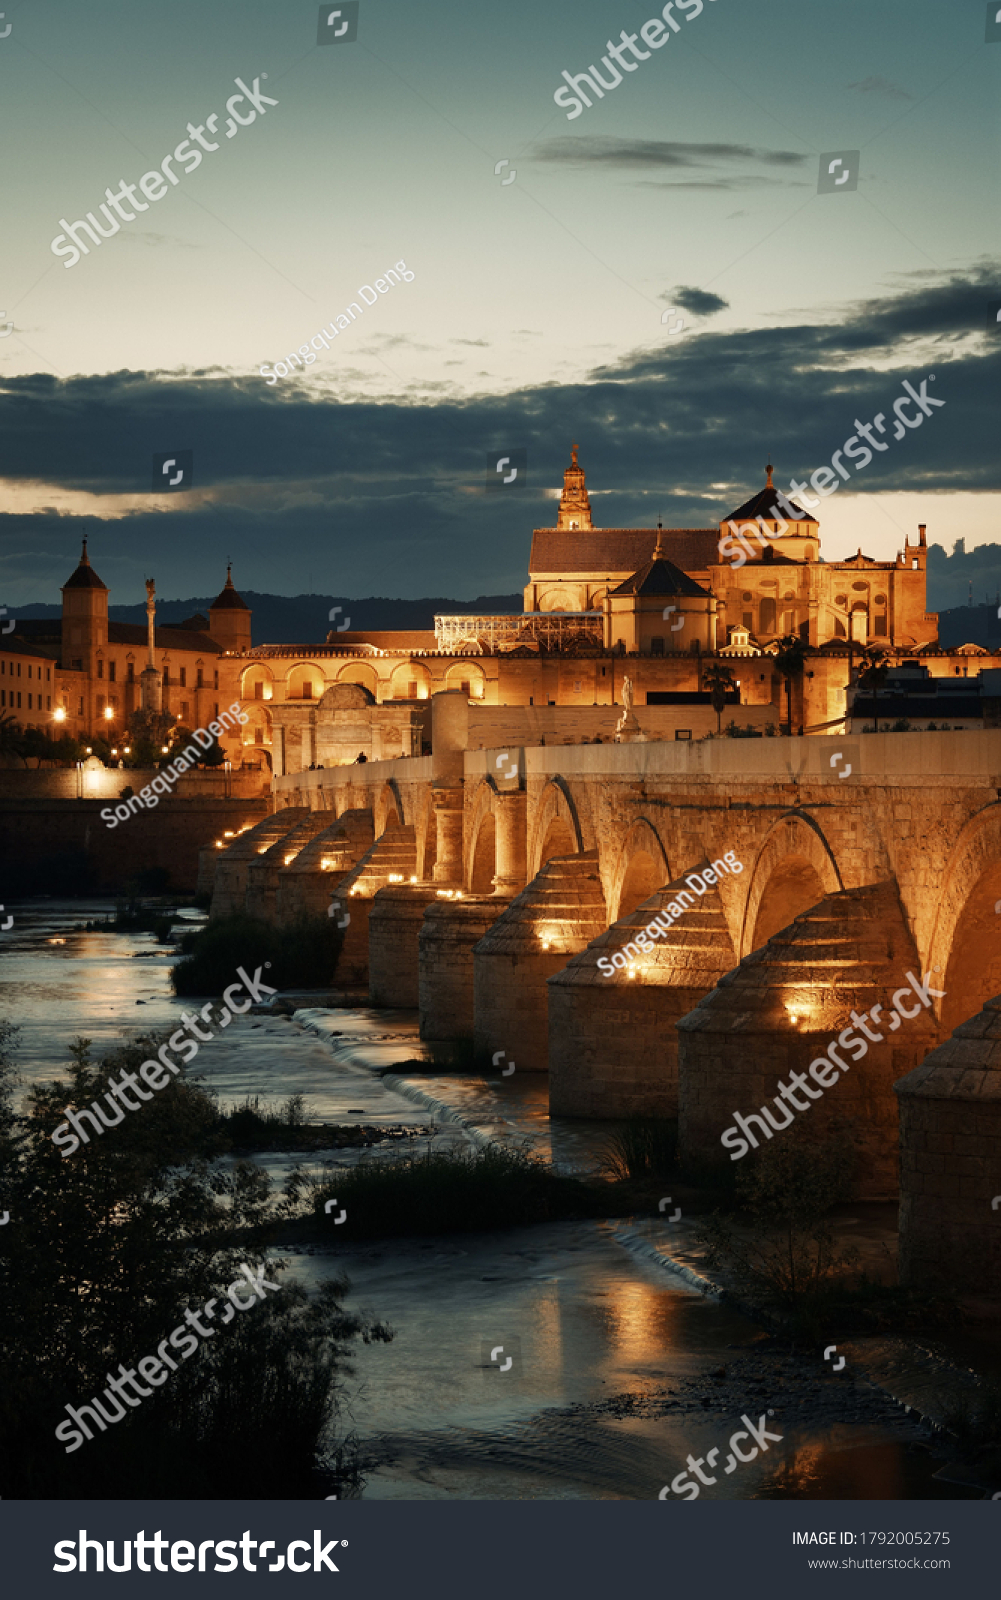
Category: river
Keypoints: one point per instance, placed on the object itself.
(619, 1367)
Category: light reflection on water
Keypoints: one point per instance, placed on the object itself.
(593, 1321)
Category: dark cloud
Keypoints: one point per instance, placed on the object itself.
(698, 301)
(369, 496)
(609, 151)
(883, 86)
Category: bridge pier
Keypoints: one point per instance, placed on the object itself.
(613, 1042)
(560, 911)
(450, 929)
(394, 854)
(261, 899)
(394, 928)
(786, 1006)
(510, 809)
(950, 1161)
(305, 885)
(230, 888)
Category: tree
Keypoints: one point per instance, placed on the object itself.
(872, 676)
(105, 1250)
(719, 681)
(789, 661)
(148, 732)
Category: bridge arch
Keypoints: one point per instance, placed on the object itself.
(966, 940)
(641, 869)
(556, 827)
(480, 854)
(389, 808)
(793, 871)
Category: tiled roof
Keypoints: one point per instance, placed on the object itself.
(620, 550)
(660, 577)
(163, 638)
(764, 504)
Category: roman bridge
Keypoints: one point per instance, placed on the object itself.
(484, 887)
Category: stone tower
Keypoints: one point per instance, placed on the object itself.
(575, 507)
(84, 626)
(229, 618)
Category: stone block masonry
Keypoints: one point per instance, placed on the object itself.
(950, 1161)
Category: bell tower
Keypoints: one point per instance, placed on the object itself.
(85, 616)
(229, 617)
(575, 507)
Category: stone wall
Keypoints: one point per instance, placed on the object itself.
(950, 1161)
(62, 847)
(107, 783)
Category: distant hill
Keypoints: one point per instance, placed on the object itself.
(970, 625)
(304, 618)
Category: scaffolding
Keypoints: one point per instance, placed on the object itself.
(550, 630)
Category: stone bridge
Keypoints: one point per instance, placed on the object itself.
(506, 894)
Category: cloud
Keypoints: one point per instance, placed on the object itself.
(700, 302)
(371, 492)
(883, 86)
(610, 151)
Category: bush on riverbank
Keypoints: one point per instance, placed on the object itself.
(446, 1192)
(784, 1257)
(105, 1251)
(646, 1147)
(302, 955)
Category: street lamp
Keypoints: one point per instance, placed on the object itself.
(59, 714)
(108, 714)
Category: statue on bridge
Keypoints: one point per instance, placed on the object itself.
(627, 729)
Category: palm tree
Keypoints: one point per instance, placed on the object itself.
(719, 681)
(789, 661)
(873, 676)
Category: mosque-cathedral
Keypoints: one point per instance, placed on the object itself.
(654, 605)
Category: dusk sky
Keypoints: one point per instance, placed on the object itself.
(534, 314)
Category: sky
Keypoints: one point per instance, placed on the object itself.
(535, 314)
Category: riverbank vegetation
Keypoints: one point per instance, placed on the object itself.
(439, 1191)
(302, 955)
(103, 1255)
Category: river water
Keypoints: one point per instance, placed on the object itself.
(619, 1367)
